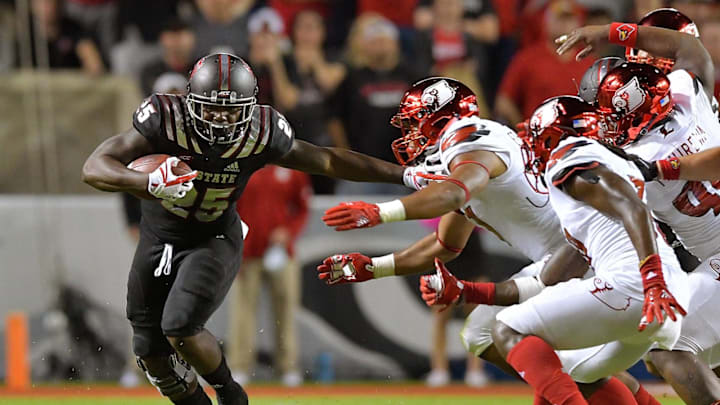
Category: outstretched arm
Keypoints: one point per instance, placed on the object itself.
(469, 175)
(452, 235)
(105, 169)
(687, 51)
(340, 163)
(564, 264)
(701, 166)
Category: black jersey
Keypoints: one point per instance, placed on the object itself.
(223, 170)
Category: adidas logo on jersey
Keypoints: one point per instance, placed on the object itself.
(232, 167)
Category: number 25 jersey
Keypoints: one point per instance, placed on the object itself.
(223, 170)
(690, 208)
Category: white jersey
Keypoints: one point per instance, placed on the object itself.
(690, 208)
(601, 239)
(519, 215)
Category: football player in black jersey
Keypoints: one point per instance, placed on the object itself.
(191, 237)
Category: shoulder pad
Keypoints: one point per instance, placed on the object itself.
(559, 178)
(466, 133)
(147, 119)
(281, 134)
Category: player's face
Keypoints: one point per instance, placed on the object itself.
(222, 115)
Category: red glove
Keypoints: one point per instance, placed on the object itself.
(657, 297)
(349, 268)
(441, 288)
(356, 214)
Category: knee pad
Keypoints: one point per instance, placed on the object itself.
(178, 323)
(150, 342)
(476, 335)
(176, 378)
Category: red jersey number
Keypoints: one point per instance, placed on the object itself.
(698, 197)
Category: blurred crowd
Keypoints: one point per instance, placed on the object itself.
(336, 68)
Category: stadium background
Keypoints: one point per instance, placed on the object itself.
(65, 250)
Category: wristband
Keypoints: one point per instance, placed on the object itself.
(478, 293)
(383, 266)
(651, 272)
(624, 34)
(392, 211)
(528, 287)
(669, 169)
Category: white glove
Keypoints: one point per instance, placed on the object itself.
(164, 184)
(411, 178)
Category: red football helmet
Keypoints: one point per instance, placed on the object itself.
(554, 120)
(426, 110)
(632, 98)
(664, 18)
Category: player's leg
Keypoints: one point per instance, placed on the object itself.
(476, 335)
(285, 293)
(570, 315)
(147, 291)
(204, 277)
(690, 377)
(243, 313)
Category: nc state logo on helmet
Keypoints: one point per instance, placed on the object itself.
(663, 18)
(554, 120)
(425, 110)
(632, 98)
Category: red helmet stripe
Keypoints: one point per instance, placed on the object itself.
(219, 63)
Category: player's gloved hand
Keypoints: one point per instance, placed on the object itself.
(412, 178)
(441, 288)
(164, 184)
(352, 215)
(649, 170)
(349, 268)
(658, 298)
(523, 129)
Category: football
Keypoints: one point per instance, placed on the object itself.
(149, 163)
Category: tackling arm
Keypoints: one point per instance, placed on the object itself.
(453, 233)
(340, 163)
(465, 181)
(106, 169)
(701, 166)
(469, 175)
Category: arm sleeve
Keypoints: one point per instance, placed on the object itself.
(147, 119)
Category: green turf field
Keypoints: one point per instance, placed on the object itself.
(355, 400)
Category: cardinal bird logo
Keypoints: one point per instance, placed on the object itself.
(629, 97)
(438, 95)
(624, 31)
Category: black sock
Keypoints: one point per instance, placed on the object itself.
(228, 391)
(199, 397)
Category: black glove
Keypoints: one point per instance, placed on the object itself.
(649, 170)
